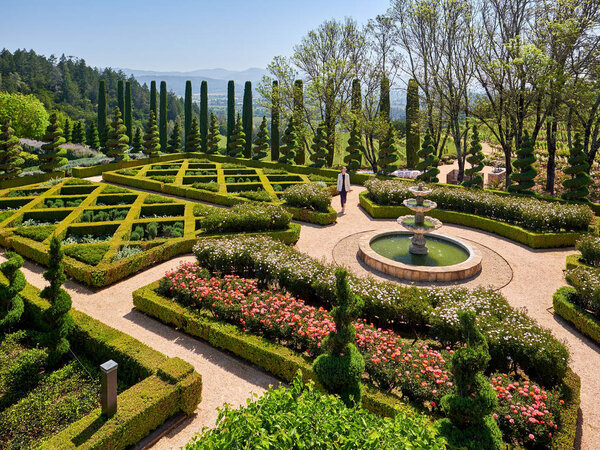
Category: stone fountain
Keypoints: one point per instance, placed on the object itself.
(418, 224)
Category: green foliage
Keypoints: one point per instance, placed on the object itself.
(101, 121)
(354, 149)
(163, 120)
(412, 124)
(586, 281)
(298, 113)
(230, 111)
(275, 122)
(475, 158)
(11, 303)
(429, 160)
(237, 140)
(194, 140)
(121, 95)
(39, 233)
(212, 144)
(153, 102)
(257, 196)
(212, 186)
(204, 116)
(78, 136)
(87, 253)
(384, 99)
(319, 147)
(126, 252)
(175, 139)
(27, 114)
(104, 215)
(524, 173)
(246, 217)
(117, 142)
(309, 196)
(151, 139)
(247, 119)
(137, 145)
(290, 143)
(153, 230)
(128, 111)
(261, 142)
(10, 152)
(92, 139)
(187, 123)
(387, 152)
(153, 198)
(53, 154)
(577, 185)
(589, 246)
(67, 130)
(356, 97)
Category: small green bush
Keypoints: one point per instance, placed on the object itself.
(89, 254)
(39, 233)
(257, 196)
(212, 186)
(152, 230)
(126, 252)
(163, 178)
(586, 282)
(110, 189)
(246, 218)
(76, 182)
(153, 198)
(589, 246)
(309, 196)
(128, 172)
(104, 215)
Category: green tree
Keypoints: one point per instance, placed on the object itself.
(230, 110)
(137, 144)
(10, 152)
(187, 122)
(11, 303)
(356, 102)
(298, 111)
(53, 154)
(237, 141)
(117, 143)
(387, 152)
(412, 124)
(577, 185)
(175, 140)
(354, 149)
(212, 144)
(78, 136)
(340, 369)
(67, 130)
(290, 143)
(101, 122)
(91, 137)
(194, 141)
(319, 147)
(151, 139)
(153, 105)
(275, 123)
(475, 158)
(204, 115)
(261, 142)
(27, 114)
(121, 95)
(247, 116)
(128, 111)
(162, 126)
(384, 99)
(428, 160)
(524, 173)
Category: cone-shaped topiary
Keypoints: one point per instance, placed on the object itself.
(11, 303)
(137, 144)
(67, 130)
(53, 156)
(354, 149)
(524, 173)
(151, 137)
(290, 144)
(78, 135)
(319, 147)
(237, 140)
(428, 160)
(578, 168)
(469, 423)
(10, 152)
(175, 139)
(91, 136)
(58, 323)
(387, 152)
(261, 142)
(194, 139)
(340, 369)
(475, 158)
(212, 143)
(118, 142)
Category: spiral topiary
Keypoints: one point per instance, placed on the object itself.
(524, 164)
(10, 152)
(290, 143)
(469, 422)
(117, 142)
(319, 147)
(237, 140)
(387, 152)
(261, 141)
(212, 139)
(578, 168)
(11, 303)
(151, 137)
(354, 148)
(428, 160)
(340, 369)
(53, 154)
(475, 158)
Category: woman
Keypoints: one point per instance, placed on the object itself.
(343, 187)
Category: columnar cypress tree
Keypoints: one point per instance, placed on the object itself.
(151, 138)
(11, 303)
(356, 103)
(128, 111)
(354, 149)
(67, 130)
(275, 123)
(290, 143)
(187, 113)
(175, 140)
(237, 141)
(121, 95)
(91, 137)
(247, 118)
(429, 160)
(475, 158)
(10, 153)
(153, 98)
(577, 185)
(162, 125)
(230, 110)
(261, 142)
(298, 113)
(118, 142)
(204, 115)
(53, 156)
(384, 99)
(387, 152)
(194, 140)
(330, 120)
(319, 147)
(101, 123)
(78, 135)
(412, 124)
(137, 144)
(524, 173)
(212, 144)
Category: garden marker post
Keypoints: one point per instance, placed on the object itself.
(108, 393)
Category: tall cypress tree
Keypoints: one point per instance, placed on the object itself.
(118, 142)
(429, 160)
(384, 99)
(298, 114)
(412, 124)
(101, 122)
(151, 138)
(247, 118)
(387, 152)
(275, 123)
(194, 141)
(128, 111)
(187, 111)
(578, 168)
(67, 130)
(121, 95)
(162, 125)
(524, 173)
(153, 98)
(330, 120)
(356, 103)
(175, 139)
(319, 147)
(290, 143)
(137, 144)
(204, 115)
(91, 137)
(230, 110)
(475, 158)
(354, 149)
(53, 156)
(261, 142)
(212, 142)
(10, 152)
(237, 142)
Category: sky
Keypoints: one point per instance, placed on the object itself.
(171, 35)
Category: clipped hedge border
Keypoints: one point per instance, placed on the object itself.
(574, 261)
(580, 318)
(316, 217)
(512, 232)
(31, 179)
(159, 386)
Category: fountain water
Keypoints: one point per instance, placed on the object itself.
(418, 224)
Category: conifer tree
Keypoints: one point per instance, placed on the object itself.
(319, 147)
(212, 144)
(187, 113)
(10, 152)
(475, 158)
(101, 122)
(162, 125)
(11, 303)
(137, 144)
(354, 149)
(356, 103)
(78, 136)
(117, 143)
(387, 152)
(151, 139)
(230, 110)
(175, 140)
(194, 141)
(53, 156)
(412, 124)
(261, 142)
(275, 123)
(384, 99)
(204, 115)
(153, 98)
(67, 130)
(290, 143)
(577, 185)
(429, 160)
(298, 114)
(91, 137)
(121, 96)
(237, 142)
(524, 173)
(128, 111)
(247, 118)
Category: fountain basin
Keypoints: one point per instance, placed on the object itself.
(449, 259)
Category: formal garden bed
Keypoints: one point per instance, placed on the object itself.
(111, 232)
(269, 304)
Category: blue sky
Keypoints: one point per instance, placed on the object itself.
(171, 35)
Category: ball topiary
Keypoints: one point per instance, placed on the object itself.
(475, 158)
(11, 303)
(578, 168)
(428, 160)
(524, 165)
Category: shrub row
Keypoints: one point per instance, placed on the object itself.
(310, 196)
(567, 306)
(586, 282)
(589, 246)
(246, 218)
